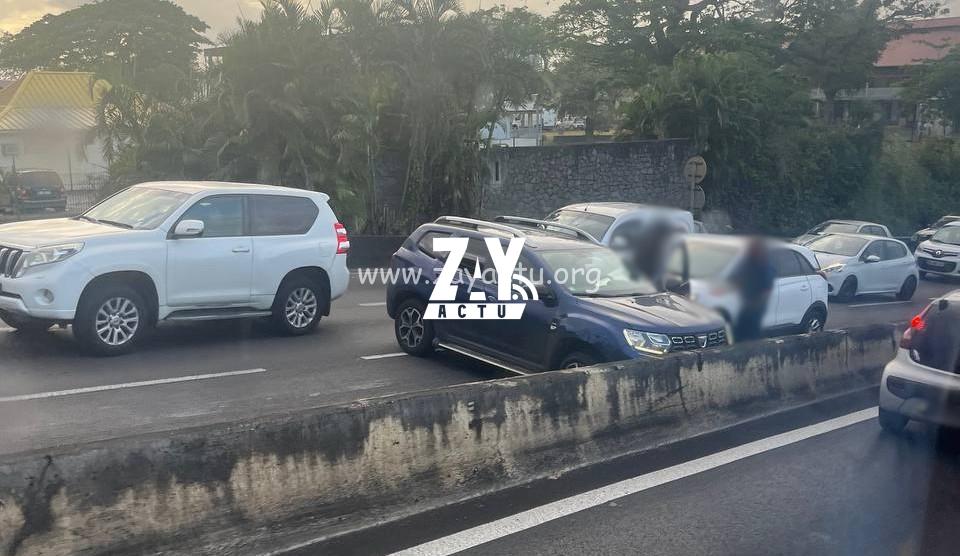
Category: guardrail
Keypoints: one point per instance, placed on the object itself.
(333, 469)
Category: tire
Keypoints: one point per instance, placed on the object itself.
(111, 319)
(414, 334)
(578, 359)
(923, 275)
(892, 422)
(814, 321)
(848, 290)
(908, 288)
(26, 324)
(298, 306)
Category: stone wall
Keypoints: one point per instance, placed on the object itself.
(533, 181)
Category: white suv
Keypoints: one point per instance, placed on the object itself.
(176, 251)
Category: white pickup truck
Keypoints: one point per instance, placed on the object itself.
(175, 251)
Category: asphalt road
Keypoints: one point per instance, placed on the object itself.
(50, 394)
(852, 490)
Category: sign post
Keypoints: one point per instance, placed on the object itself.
(694, 171)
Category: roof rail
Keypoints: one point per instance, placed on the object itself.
(475, 224)
(545, 224)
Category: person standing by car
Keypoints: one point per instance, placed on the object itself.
(754, 281)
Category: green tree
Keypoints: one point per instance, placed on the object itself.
(937, 83)
(126, 39)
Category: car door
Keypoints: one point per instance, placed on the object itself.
(793, 288)
(901, 264)
(214, 269)
(871, 275)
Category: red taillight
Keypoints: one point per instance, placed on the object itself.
(343, 242)
(916, 325)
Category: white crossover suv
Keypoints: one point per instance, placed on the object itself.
(175, 251)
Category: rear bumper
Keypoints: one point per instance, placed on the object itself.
(41, 203)
(919, 392)
(339, 276)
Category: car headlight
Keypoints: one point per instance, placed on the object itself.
(647, 342)
(47, 255)
(838, 267)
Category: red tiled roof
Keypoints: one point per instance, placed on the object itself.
(928, 39)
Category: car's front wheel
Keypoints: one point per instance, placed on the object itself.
(24, 323)
(848, 290)
(110, 319)
(579, 359)
(414, 333)
(296, 310)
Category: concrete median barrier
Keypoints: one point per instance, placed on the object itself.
(242, 487)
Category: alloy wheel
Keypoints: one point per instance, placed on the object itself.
(410, 330)
(118, 320)
(301, 307)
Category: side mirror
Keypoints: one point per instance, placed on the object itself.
(547, 296)
(188, 228)
(871, 259)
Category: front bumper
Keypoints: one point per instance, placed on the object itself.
(920, 392)
(946, 267)
(48, 292)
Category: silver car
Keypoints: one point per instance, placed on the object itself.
(922, 382)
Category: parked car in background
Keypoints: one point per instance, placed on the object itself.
(842, 227)
(923, 380)
(606, 221)
(175, 251)
(860, 264)
(573, 323)
(33, 190)
(940, 255)
(923, 235)
(799, 298)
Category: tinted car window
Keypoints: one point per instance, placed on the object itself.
(805, 266)
(893, 250)
(785, 263)
(38, 179)
(875, 248)
(275, 215)
(222, 216)
(426, 244)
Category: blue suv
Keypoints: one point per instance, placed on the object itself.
(575, 322)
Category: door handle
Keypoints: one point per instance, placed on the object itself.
(241, 249)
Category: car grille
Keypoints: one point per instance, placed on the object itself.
(9, 257)
(933, 253)
(699, 341)
(936, 266)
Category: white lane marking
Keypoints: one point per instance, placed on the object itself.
(531, 518)
(173, 380)
(878, 303)
(382, 356)
(375, 304)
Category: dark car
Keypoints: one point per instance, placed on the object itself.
(925, 234)
(573, 323)
(28, 190)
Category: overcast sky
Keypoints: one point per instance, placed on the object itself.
(221, 15)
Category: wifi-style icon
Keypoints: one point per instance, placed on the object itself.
(525, 290)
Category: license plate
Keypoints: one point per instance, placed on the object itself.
(936, 264)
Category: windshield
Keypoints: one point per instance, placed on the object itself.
(835, 228)
(138, 208)
(944, 221)
(594, 224)
(950, 234)
(596, 272)
(838, 245)
(705, 259)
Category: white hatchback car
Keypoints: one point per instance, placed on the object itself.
(799, 298)
(184, 251)
(857, 264)
(940, 254)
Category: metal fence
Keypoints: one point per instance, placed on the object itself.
(83, 194)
